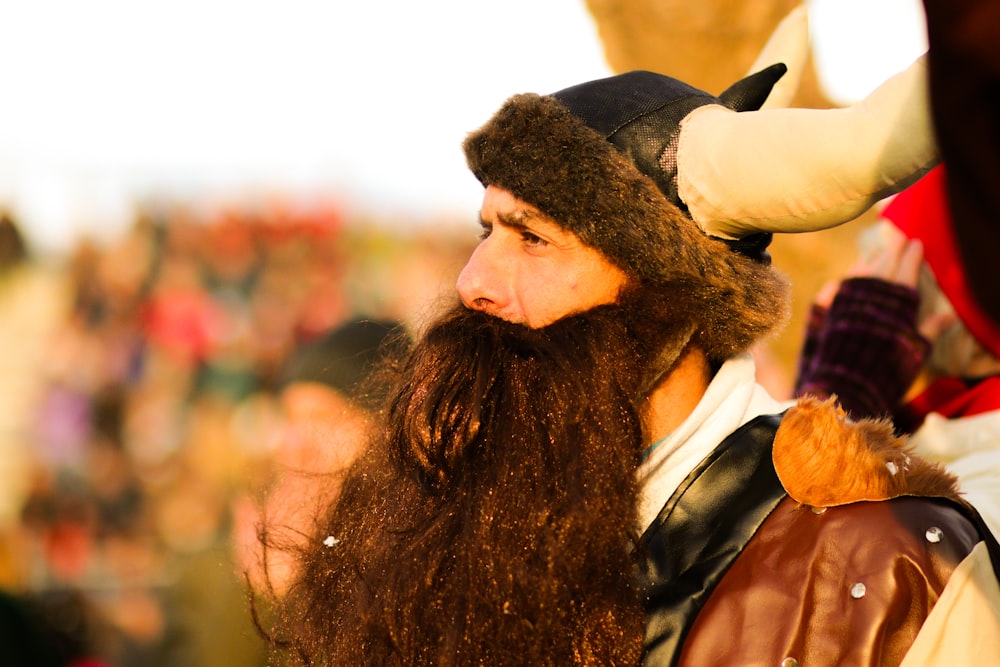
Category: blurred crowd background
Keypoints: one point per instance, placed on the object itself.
(139, 382)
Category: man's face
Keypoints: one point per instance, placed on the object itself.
(528, 270)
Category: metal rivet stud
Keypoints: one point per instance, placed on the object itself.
(934, 535)
(789, 662)
(858, 590)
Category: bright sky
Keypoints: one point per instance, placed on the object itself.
(108, 99)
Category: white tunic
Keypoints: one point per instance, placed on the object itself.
(732, 399)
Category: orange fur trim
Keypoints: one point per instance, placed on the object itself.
(824, 459)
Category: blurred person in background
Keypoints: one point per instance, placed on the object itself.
(329, 389)
(903, 337)
(963, 39)
(33, 298)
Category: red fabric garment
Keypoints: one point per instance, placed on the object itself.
(951, 397)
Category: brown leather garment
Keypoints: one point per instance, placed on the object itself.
(838, 586)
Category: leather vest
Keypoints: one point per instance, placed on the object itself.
(701, 530)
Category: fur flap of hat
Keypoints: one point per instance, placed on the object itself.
(536, 149)
(823, 459)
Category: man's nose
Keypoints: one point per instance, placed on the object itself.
(480, 284)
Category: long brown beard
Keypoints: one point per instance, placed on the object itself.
(490, 522)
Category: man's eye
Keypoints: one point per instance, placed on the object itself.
(485, 231)
(531, 239)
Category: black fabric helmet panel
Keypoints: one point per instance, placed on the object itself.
(640, 112)
(650, 141)
(606, 105)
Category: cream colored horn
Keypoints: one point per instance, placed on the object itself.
(800, 170)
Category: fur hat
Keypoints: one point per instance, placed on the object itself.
(587, 155)
(597, 159)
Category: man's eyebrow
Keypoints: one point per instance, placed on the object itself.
(517, 219)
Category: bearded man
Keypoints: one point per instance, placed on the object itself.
(577, 467)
